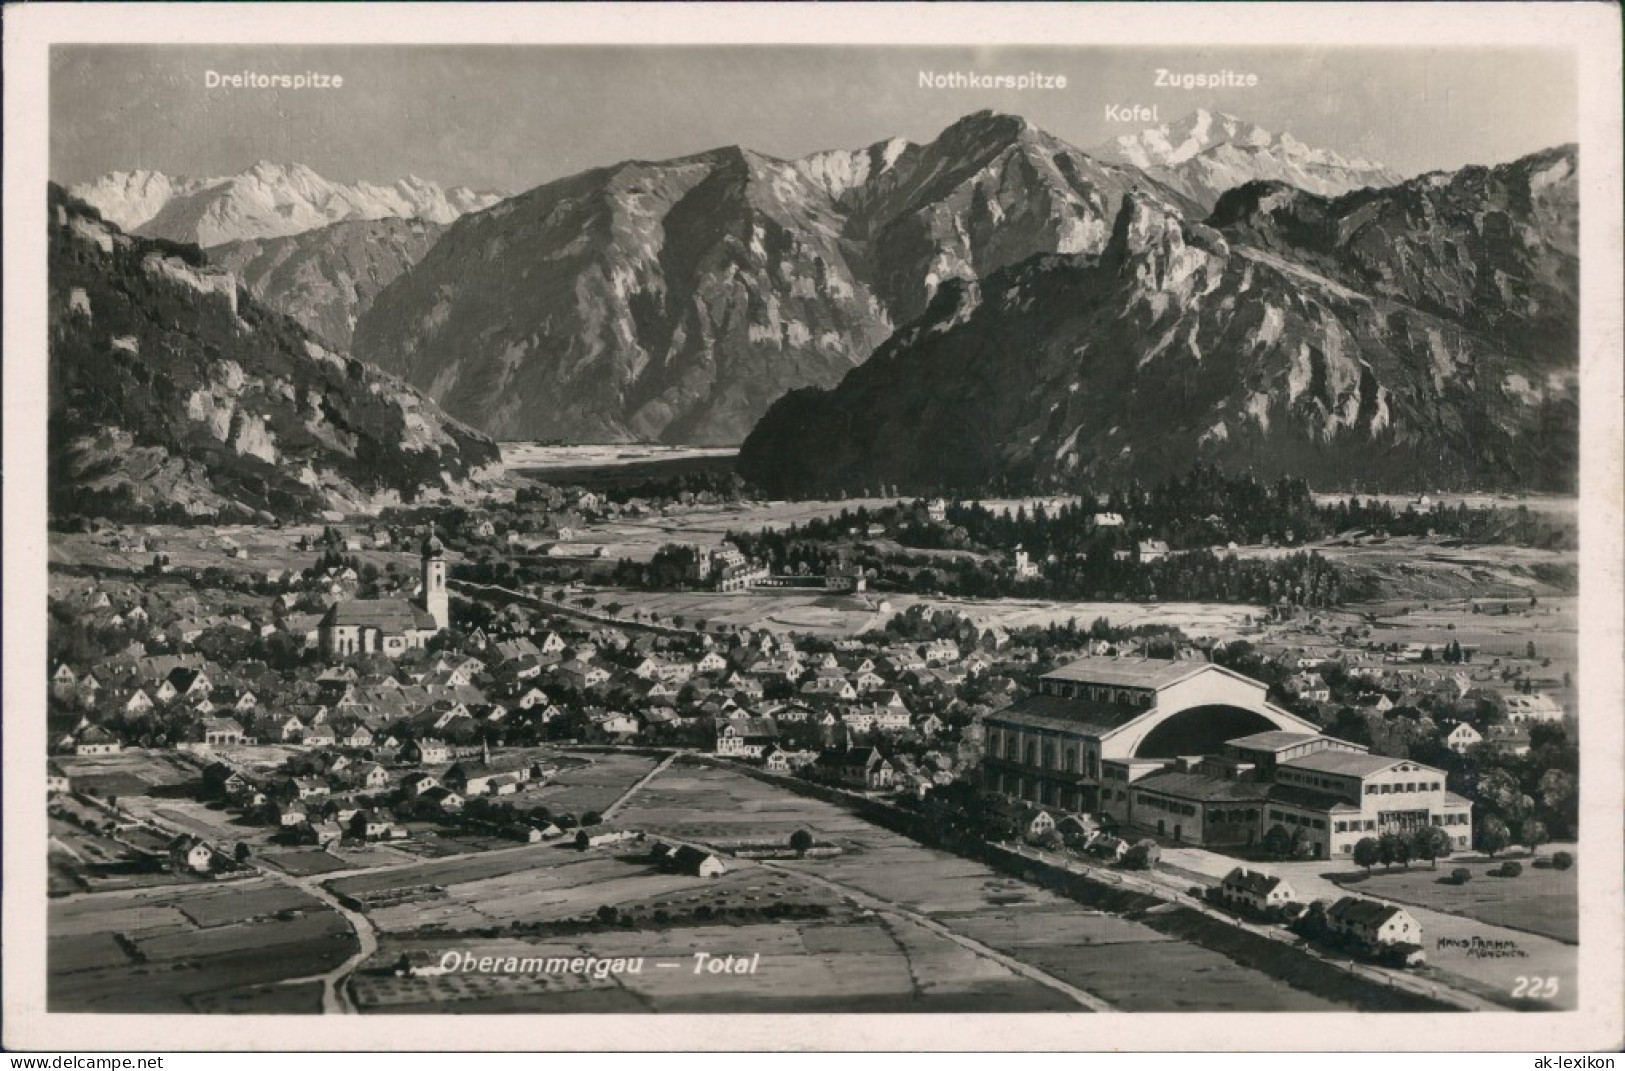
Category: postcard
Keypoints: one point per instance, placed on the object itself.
(988, 524)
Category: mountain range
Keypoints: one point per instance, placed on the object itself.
(175, 395)
(1419, 335)
(327, 278)
(268, 200)
(1205, 154)
(676, 300)
(994, 303)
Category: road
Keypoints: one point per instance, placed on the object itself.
(609, 812)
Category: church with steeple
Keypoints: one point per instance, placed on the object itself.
(390, 626)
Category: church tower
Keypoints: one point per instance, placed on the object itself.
(435, 599)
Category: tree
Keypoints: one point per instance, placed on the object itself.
(1365, 853)
(1389, 847)
(1532, 834)
(1431, 843)
(1143, 856)
(1302, 846)
(1277, 841)
(592, 818)
(1493, 835)
(1562, 860)
(241, 852)
(800, 841)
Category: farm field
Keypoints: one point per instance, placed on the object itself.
(1079, 946)
(814, 612)
(873, 964)
(195, 948)
(1543, 901)
(132, 772)
(592, 784)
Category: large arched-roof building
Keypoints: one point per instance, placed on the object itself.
(1049, 748)
(1194, 752)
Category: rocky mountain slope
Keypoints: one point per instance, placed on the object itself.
(676, 300)
(266, 201)
(327, 278)
(174, 395)
(1417, 336)
(1205, 154)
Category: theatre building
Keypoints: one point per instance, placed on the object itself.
(1194, 753)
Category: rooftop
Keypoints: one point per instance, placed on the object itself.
(1127, 672)
(386, 615)
(1067, 715)
(1347, 763)
(1275, 740)
(1202, 788)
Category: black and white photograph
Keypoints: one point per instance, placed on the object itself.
(914, 527)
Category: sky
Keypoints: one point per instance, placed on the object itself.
(512, 117)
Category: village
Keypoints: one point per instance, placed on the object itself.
(343, 703)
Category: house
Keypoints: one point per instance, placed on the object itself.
(319, 736)
(1372, 925)
(696, 863)
(600, 837)
(300, 788)
(418, 783)
(1152, 550)
(1459, 736)
(221, 779)
(444, 798)
(220, 732)
(1107, 846)
(283, 727)
(1028, 821)
(746, 737)
(359, 736)
(582, 675)
(1535, 707)
(864, 768)
(617, 724)
(372, 775)
(426, 752)
(370, 825)
(184, 682)
(846, 578)
(776, 759)
(94, 740)
(1255, 890)
(187, 852)
(56, 779)
(477, 777)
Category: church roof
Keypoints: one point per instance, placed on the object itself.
(385, 615)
